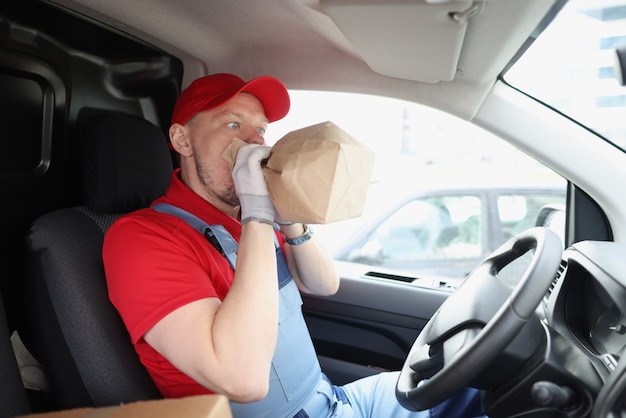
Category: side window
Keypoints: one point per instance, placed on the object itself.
(432, 208)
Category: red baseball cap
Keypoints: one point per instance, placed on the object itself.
(210, 91)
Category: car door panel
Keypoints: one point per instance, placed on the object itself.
(369, 325)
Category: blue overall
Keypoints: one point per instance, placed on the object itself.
(298, 388)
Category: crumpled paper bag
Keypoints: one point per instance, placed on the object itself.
(318, 174)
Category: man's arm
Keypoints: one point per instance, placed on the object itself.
(311, 266)
(228, 346)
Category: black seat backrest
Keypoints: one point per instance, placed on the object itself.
(13, 400)
(81, 340)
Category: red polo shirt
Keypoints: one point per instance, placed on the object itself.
(156, 263)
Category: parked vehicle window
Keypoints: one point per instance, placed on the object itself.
(425, 229)
(518, 212)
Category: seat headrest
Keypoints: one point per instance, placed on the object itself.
(127, 163)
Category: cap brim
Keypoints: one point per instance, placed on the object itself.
(272, 94)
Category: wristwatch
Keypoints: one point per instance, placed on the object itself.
(308, 233)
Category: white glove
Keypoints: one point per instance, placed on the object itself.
(254, 198)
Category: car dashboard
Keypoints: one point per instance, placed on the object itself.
(584, 314)
(587, 302)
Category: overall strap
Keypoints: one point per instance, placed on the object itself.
(223, 242)
(217, 235)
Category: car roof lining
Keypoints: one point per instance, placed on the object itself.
(180, 28)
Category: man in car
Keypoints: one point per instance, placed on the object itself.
(203, 321)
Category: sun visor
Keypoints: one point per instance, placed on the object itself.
(416, 40)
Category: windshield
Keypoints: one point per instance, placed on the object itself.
(573, 70)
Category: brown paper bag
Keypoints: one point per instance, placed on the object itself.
(318, 174)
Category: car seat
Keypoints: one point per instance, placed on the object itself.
(13, 400)
(79, 337)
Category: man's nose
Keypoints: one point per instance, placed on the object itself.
(252, 136)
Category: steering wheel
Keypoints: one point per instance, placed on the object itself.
(465, 335)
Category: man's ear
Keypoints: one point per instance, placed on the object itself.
(179, 139)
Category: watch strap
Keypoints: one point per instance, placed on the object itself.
(308, 233)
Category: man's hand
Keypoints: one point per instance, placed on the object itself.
(254, 198)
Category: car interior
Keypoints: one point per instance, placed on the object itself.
(88, 90)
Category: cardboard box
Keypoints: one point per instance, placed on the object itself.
(203, 406)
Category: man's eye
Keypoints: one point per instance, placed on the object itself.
(261, 131)
(233, 125)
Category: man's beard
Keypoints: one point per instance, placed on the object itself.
(229, 196)
(225, 193)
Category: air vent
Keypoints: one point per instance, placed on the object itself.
(557, 277)
(390, 276)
